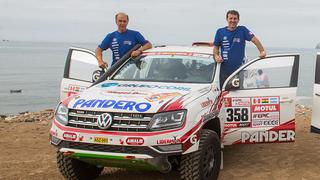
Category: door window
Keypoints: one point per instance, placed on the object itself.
(273, 72)
(83, 66)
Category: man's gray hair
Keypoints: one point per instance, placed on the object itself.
(123, 14)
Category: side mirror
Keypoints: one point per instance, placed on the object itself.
(233, 83)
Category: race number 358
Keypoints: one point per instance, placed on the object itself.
(237, 114)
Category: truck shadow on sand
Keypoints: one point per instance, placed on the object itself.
(119, 174)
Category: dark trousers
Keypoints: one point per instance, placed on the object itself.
(223, 76)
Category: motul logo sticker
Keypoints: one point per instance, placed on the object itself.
(266, 108)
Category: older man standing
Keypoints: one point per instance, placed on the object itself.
(121, 41)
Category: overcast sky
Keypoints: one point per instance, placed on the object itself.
(277, 23)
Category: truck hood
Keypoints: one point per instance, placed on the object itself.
(137, 97)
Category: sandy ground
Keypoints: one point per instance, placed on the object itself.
(26, 154)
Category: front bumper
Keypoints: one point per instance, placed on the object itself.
(137, 157)
(122, 149)
(144, 152)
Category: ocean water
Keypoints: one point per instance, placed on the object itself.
(37, 69)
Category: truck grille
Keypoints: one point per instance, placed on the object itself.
(130, 122)
(109, 148)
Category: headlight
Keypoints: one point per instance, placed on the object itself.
(167, 120)
(61, 114)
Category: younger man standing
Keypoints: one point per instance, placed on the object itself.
(229, 45)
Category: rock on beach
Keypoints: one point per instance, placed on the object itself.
(44, 115)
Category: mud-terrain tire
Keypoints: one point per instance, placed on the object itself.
(203, 164)
(74, 169)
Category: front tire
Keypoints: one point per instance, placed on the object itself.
(203, 164)
(74, 169)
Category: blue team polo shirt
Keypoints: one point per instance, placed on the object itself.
(121, 43)
(232, 45)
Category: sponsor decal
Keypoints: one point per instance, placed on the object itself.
(266, 108)
(171, 53)
(260, 116)
(75, 89)
(206, 103)
(100, 140)
(254, 112)
(121, 141)
(227, 102)
(237, 125)
(112, 104)
(96, 75)
(105, 85)
(235, 82)
(173, 140)
(156, 87)
(135, 141)
(161, 96)
(70, 136)
(266, 115)
(177, 54)
(81, 138)
(240, 102)
(266, 119)
(265, 123)
(125, 92)
(211, 115)
(193, 139)
(237, 114)
(267, 136)
(54, 133)
(237, 111)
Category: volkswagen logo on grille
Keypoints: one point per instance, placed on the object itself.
(104, 121)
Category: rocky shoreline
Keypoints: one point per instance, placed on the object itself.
(40, 116)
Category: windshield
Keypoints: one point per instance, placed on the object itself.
(168, 68)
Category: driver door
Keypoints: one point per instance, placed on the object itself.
(315, 122)
(259, 101)
(81, 70)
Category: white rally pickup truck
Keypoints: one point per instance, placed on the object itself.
(165, 109)
(315, 122)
